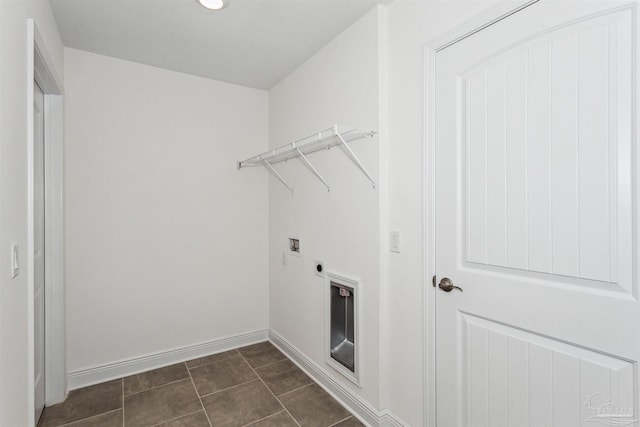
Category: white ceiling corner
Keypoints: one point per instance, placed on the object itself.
(253, 43)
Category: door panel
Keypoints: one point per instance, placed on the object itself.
(523, 378)
(561, 214)
(535, 197)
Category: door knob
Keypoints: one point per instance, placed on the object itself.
(447, 285)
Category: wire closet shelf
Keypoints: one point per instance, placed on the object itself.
(321, 140)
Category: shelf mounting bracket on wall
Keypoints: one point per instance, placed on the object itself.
(275, 172)
(324, 139)
(316, 173)
(355, 159)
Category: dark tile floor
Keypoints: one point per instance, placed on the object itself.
(255, 385)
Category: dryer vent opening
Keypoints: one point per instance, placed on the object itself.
(342, 340)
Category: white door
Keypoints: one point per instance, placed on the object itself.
(38, 247)
(537, 220)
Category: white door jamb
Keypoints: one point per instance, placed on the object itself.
(41, 69)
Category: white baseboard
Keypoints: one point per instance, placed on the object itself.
(389, 419)
(354, 403)
(123, 368)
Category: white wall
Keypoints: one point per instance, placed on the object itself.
(166, 241)
(369, 77)
(411, 24)
(338, 85)
(14, 383)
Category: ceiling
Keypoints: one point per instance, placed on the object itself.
(252, 43)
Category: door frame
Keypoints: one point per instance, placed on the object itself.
(40, 68)
(430, 49)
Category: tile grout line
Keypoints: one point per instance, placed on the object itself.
(86, 418)
(228, 388)
(198, 394)
(263, 418)
(300, 388)
(271, 363)
(276, 397)
(212, 362)
(176, 418)
(338, 422)
(152, 388)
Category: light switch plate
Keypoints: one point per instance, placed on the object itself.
(15, 265)
(394, 241)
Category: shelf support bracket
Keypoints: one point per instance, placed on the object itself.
(315, 172)
(354, 157)
(275, 173)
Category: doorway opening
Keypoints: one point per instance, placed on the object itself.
(45, 275)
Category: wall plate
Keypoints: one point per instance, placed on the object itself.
(293, 243)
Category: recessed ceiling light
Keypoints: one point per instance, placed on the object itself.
(214, 4)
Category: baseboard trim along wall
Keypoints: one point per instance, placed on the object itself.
(123, 368)
(356, 404)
